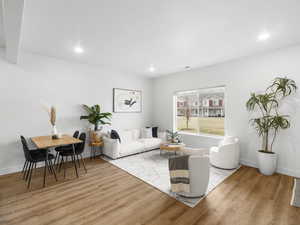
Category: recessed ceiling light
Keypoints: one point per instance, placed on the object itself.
(152, 69)
(78, 49)
(263, 36)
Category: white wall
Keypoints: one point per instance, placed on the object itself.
(240, 77)
(67, 85)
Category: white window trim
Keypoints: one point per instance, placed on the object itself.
(189, 133)
(202, 135)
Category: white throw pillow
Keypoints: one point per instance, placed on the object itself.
(125, 136)
(136, 134)
(147, 133)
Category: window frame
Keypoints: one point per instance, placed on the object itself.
(200, 134)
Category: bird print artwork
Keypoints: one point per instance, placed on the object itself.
(127, 100)
(130, 102)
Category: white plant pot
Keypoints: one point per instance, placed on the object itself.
(267, 163)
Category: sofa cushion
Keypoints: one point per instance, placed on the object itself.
(126, 136)
(131, 148)
(136, 134)
(147, 133)
(151, 143)
(154, 131)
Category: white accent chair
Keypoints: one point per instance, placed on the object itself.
(199, 175)
(227, 154)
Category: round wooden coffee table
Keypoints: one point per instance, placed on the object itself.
(170, 147)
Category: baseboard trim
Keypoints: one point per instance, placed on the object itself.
(285, 171)
(9, 170)
(16, 169)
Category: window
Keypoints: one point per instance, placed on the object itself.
(200, 111)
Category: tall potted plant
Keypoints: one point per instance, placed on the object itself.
(271, 121)
(95, 116)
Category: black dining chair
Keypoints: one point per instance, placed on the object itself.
(62, 148)
(34, 152)
(32, 157)
(79, 149)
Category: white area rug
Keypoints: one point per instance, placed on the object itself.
(152, 168)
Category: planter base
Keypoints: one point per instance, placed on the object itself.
(267, 163)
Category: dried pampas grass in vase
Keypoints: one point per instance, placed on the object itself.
(52, 118)
(53, 121)
(51, 110)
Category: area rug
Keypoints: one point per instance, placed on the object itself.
(152, 168)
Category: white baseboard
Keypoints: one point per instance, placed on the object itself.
(18, 168)
(248, 163)
(285, 171)
(9, 170)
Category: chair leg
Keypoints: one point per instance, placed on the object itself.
(45, 171)
(25, 169)
(78, 161)
(56, 156)
(64, 165)
(30, 175)
(83, 163)
(60, 164)
(35, 169)
(52, 168)
(25, 163)
(73, 158)
(49, 169)
(28, 171)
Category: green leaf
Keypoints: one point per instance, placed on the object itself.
(95, 116)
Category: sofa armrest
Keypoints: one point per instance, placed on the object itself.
(111, 147)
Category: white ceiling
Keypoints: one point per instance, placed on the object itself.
(168, 34)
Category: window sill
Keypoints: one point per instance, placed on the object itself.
(201, 135)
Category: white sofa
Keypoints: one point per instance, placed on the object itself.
(132, 142)
(227, 154)
(199, 175)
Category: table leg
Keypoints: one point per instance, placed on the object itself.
(46, 167)
(74, 161)
(91, 152)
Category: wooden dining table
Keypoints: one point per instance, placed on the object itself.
(46, 142)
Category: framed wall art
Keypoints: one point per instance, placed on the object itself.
(127, 101)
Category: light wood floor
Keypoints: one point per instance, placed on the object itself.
(107, 195)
